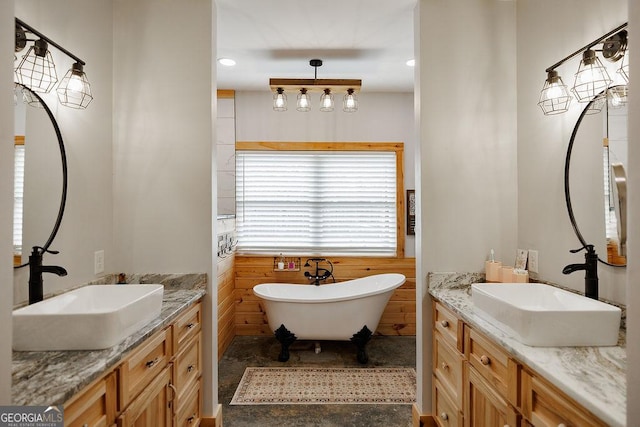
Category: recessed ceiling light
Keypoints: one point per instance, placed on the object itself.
(227, 62)
(411, 63)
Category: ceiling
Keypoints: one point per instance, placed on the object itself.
(369, 40)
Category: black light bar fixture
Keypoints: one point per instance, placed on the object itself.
(37, 71)
(592, 79)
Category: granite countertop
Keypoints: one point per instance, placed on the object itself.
(52, 377)
(594, 376)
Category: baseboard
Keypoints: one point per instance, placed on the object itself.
(421, 420)
(215, 421)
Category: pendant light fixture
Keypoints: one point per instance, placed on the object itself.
(37, 70)
(279, 100)
(74, 90)
(591, 78)
(326, 101)
(327, 88)
(304, 101)
(554, 97)
(350, 102)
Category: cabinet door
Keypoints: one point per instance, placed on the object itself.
(153, 407)
(94, 407)
(484, 406)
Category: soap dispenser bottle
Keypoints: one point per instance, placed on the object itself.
(281, 263)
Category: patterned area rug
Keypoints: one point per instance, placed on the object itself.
(290, 386)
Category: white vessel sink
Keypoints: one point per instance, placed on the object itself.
(88, 318)
(545, 316)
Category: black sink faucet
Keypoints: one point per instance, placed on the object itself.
(35, 273)
(590, 267)
(321, 273)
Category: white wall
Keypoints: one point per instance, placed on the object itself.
(466, 106)
(6, 196)
(164, 110)
(548, 31)
(87, 221)
(381, 117)
(633, 269)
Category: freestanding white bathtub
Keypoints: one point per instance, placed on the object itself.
(348, 310)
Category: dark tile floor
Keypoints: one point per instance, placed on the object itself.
(263, 351)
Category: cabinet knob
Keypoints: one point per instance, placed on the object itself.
(485, 360)
(444, 323)
(191, 419)
(190, 368)
(444, 416)
(152, 363)
(190, 325)
(444, 366)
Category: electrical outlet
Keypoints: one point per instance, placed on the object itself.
(98, 262)
(533, 261)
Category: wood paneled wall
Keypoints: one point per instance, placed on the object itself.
(399, 317)
(226, 305)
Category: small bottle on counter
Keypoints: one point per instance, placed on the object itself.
(281, 263)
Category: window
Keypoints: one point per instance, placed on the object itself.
(18, 191)
(328, 198)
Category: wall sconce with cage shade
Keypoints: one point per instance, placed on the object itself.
(327, 88)
(592, 80)
(36, 70)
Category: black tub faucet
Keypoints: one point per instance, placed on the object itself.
(590, 267)
(35, 273)
(321, 273)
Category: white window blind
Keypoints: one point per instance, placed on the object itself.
(18, 191)
(316, 202)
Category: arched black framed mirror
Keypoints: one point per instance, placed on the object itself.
(600, 200)
(24, 94)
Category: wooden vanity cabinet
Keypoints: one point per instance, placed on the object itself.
(476, 383)
(158, 384)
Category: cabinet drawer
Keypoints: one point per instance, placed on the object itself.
(447, 366)
(143, 365)
(447, 324)
(544, 405)
(188, 414)
(95, 407)
(186, 326)
(446, 413)
(493, 363)
(187, 368)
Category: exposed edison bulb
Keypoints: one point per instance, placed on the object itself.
(75, 83)
(554, 91)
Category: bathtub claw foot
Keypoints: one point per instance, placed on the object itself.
(361, 339)
(286, 338)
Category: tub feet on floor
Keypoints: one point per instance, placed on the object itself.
(361, 339)
(286, 338)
